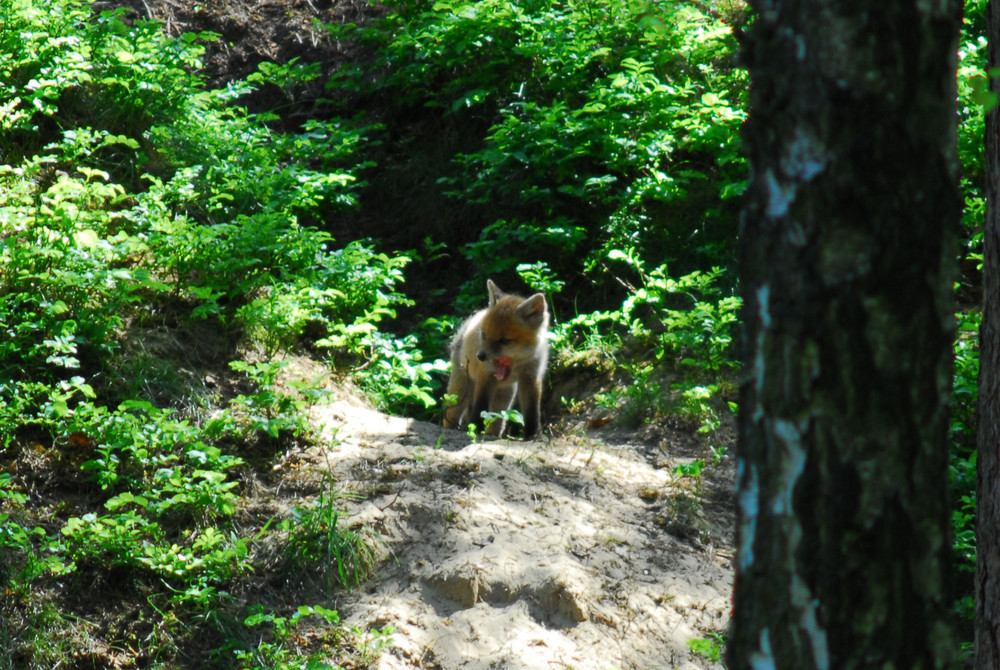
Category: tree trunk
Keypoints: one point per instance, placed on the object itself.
(847, 257)
(988, 447)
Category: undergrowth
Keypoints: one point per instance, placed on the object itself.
(160, 252)
(135, 205)
(556, 133)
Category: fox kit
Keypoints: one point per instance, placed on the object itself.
(499, 352)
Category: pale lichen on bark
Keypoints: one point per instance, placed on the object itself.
(844, 266)
(749, 503)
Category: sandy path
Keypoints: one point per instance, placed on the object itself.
(521, 555)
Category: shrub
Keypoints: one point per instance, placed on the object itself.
(564, 129)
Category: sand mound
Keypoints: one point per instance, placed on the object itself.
(508, 554)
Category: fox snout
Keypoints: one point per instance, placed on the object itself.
(482, 356)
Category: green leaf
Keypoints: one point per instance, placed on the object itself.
(86, 239)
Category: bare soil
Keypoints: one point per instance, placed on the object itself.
(579, 551)
(253, 31)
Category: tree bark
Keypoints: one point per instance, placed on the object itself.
(987, 599)
(847, 258)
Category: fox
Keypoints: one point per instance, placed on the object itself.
(498, 353)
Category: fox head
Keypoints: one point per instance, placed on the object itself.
(513, 330)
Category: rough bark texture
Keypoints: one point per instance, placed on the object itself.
(988, 450)
(847, 261)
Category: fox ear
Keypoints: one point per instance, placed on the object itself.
(494, 291)
(532, 310)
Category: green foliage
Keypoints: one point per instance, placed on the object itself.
(169, 503)
(63, 281)
(973, 99)
(61, 61)
(694, 468)
(236, 164)
(962, 461)
(583, 126)
(397, 377)
(686, 325)
(282, 649)
(268, 411)
(710, 648)
(700, 335)
(132, 200)
(504, 415)
(316, 538)
(540, 278)
(27, 551)
(280, 653)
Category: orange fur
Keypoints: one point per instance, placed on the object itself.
(498, 354)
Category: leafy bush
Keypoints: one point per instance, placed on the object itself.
(962, 456)
(282, 648)
(686, 325)
(973, 100)
(63, 279)
(235, 164)
(973, 96)
(97, 72)
(280, 653)
(130, 195)
(567, 129)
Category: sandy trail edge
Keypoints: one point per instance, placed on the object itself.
(519, 555)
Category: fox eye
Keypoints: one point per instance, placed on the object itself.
(503, 341)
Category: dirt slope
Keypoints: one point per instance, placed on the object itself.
(507, 554)
(577, 552)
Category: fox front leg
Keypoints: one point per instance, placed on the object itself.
(481, 393)
(460, 386)
(530, 400)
